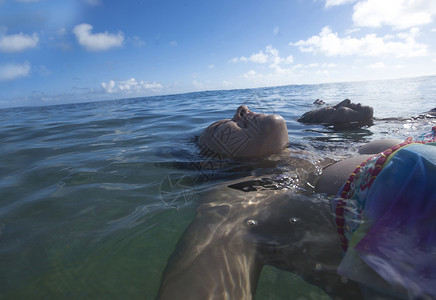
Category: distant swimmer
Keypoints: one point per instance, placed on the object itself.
(344, 114)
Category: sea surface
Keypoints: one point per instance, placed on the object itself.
(94, 196)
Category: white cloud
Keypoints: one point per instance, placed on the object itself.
(330, 3)
(328, 65)
(314, 65)
(323, 72)
(13, 71)
(271, 56)
(377, 66)
(281, 71)
(197, 84)
(400, 14)
(18, 42)
(130, 86)
(227, 83)
(251, 75)
(330, 44)
(277, 76)
(174, 43)
(97, 41)
(109, 87)
(260, 58)
(352, 30)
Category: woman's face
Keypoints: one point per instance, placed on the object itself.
(247, 134)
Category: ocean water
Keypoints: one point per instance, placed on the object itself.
(94, 196)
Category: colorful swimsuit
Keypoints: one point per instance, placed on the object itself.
(386, 217)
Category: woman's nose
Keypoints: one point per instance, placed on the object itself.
(241, 112)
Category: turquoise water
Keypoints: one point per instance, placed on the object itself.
(94, 196)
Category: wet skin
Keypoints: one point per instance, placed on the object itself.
(221, 254)
(235, 233)
(247, 134)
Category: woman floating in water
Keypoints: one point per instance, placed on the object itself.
(377, 236)
(345, 114)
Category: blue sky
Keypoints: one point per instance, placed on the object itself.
(66, 51)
